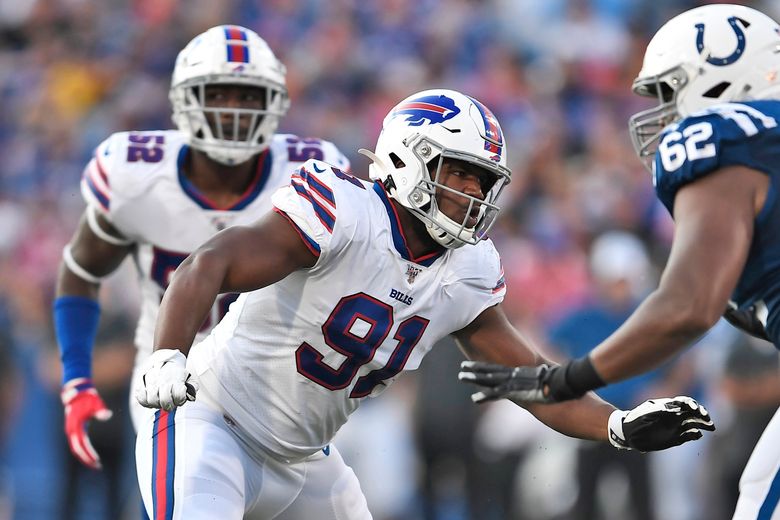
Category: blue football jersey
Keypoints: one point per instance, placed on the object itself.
(724, 135)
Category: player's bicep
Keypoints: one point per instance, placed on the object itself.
(263, 253)
(91, 253)
(491, 337)
(713, 231)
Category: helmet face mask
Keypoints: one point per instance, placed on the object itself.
(709, 55)
(645, 127)
(418, 137)
(228, 56)
(448, 231)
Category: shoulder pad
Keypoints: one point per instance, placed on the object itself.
(126, 164)
(301, 149)
(480, 265)
(705, 142)
(319, 197)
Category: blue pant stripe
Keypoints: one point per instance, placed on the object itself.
(770, 502)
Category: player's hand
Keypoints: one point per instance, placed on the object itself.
(166, 381)
(539, 384)
(746, 320)
(523, 385)
(82, 404)
(658, 424)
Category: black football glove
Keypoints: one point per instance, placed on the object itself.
(746, 320)
(658, 424)
(523, 385)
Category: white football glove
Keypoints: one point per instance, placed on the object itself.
(166, 382)
(658, 424)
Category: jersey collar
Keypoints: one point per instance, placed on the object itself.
(399, 239)
(262, 174)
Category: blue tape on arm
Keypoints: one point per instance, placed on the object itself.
(75, 324)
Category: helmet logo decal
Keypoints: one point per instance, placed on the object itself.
(427, 109)
(494, 137)
(235, 33)
(236, 52)
(734, 56)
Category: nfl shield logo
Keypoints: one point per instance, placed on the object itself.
(411, 273)
(221, 222)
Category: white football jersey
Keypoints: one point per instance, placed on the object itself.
(291, 361)
(136, 181)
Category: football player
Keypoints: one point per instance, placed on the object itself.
(158, 195)
(713, 143)
(351, 283)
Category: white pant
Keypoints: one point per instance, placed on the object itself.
(190, 466)
(759, 487)
(138, 414)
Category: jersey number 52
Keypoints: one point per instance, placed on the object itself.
(164, 263)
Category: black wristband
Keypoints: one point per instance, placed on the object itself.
(581, 376)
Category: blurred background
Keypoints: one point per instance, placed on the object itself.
(581, 236)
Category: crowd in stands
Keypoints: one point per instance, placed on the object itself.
(556, 73)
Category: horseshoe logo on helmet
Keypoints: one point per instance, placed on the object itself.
(734, 56)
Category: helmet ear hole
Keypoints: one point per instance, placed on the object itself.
(397, 161)
(667, 92)
(717, 90)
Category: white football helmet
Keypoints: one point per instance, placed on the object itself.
(227, 54)
(711, 54)
(423, 130)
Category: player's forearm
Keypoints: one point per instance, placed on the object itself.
(661, 327)
(68, 284)
(585, 418)
(188, 299)
(76, 314)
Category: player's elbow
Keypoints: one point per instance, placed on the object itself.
(695, 318)
(699, 320)
(206, 264)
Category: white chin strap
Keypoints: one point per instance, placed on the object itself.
(231, 158)
(447, 232)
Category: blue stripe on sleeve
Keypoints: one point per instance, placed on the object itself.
(103, 199)
(322, 213)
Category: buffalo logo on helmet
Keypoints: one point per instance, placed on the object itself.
(427, 109)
